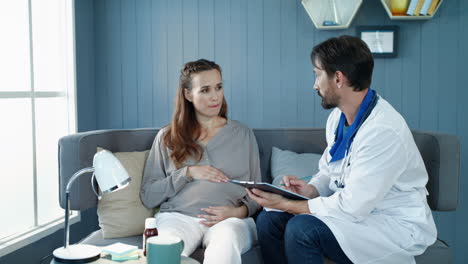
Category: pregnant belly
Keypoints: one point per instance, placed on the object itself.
(205, 193)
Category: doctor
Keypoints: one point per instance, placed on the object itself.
(368, 200)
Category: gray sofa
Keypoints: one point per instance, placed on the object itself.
(440, 153)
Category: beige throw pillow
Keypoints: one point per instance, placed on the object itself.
(121, 213)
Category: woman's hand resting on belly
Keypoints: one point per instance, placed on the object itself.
(217, 214)
(206, 172)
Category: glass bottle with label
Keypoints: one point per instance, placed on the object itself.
(150, 230)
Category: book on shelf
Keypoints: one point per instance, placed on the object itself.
(419, 5)
(433, 7)
(425, 7)
(411, 7)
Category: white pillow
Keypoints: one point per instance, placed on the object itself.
(286, 162)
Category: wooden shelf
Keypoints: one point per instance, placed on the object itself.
(386, 5)
(347, 9)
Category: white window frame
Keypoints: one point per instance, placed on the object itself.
(16, 241)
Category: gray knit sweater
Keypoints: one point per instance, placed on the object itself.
(233, 150)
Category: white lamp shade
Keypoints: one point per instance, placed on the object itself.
(110, 174)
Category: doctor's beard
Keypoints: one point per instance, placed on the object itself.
(329, 102)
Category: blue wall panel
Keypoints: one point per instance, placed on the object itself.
(430, 74)
(113, 52)
(144, 64)
(130, 52)
(288, 69)
(206, 29)
(162, 105)
(100, 41)
(394, 80)
(174, 48)
(129, 69)
(411, 55)
(305, 40)
(238, 87)
(86, 99)
(189, 30)
(271, 64)
(254, 60)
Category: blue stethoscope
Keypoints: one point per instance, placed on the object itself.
(346, 160)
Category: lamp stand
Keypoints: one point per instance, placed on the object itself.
(80, 253)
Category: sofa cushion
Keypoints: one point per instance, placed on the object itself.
(285, 162)
(122, 213)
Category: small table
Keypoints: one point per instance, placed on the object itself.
(106, 259)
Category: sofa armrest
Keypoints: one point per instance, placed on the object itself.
(444, 171)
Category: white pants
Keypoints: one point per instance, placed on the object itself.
(225, 242)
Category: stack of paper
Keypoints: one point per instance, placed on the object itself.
(120, 251)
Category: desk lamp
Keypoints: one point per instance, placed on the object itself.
(110, 176)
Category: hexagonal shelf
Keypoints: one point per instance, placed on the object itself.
(331, 14)
(386, 5)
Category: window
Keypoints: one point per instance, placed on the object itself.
(37, 107)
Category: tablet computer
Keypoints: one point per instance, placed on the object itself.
(267, 187)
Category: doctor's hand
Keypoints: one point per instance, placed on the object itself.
(296, 185)
(267, 199)
(206, 172)
(276, 201)
(217, 214)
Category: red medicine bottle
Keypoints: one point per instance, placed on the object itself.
(150, 230)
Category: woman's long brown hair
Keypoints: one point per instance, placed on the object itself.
(184, 129)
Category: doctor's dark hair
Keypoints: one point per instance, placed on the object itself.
(349, 55)
(184, 129)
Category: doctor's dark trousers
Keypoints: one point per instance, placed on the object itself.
(288, 238)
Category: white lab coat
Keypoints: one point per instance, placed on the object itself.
(381, 215)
